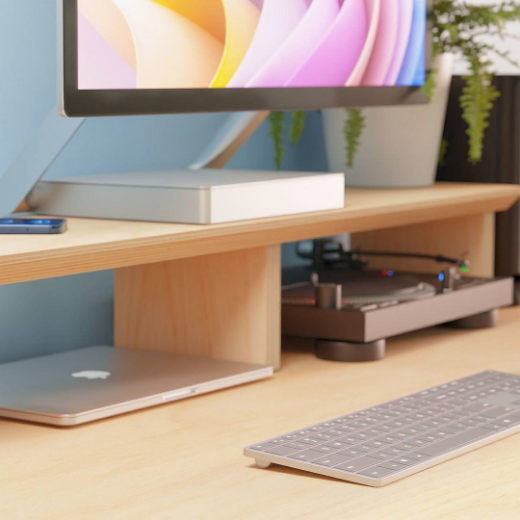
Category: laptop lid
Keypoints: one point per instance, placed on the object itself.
(95, 382)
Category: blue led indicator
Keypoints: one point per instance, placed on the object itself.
(441, 277)
(390, 273)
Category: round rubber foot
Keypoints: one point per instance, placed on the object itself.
(485, 320)
(349, 352)
(262, 463)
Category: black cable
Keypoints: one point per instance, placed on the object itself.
(327, 255)
(441, 259)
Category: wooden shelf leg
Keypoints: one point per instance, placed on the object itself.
(224, 306)
(473, 236)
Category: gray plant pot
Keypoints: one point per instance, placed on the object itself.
(400, 145)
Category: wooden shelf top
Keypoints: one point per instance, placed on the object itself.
(95, 245)
(184, 460)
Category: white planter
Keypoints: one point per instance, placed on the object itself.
(400, 145)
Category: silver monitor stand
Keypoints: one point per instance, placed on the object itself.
(35, 159)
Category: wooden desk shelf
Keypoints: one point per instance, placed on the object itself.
(226, 302)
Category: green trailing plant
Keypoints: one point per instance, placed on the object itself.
(277, 122)
(355, 123)
(458, 27)
(476, 101)
(430, 85)
(297, 126)
(443, 152)
(461, 28)
(277, 131)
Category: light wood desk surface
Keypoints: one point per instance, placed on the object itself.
(184, 460)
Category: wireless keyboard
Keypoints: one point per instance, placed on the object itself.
(380, 445)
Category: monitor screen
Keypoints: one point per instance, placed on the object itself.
(155, 56)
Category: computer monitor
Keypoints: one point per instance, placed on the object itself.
(133, 57)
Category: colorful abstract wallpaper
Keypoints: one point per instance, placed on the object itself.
(187, 44)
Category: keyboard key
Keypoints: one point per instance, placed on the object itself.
(349, 452)
(460, 402)
(493, 413)
(282, 450)
(297, 445)
(348, 439)
(310, 431)
(365, 448)
(422, 426)
(335, 433)
(493, 427)
(376, 443)
(309, 440)
(478, 407)
(433, 423)
(452, 429)
(419, 416)
(410, 431)
(337, 445)
(460, 426)
(280, 440)
(508, 421)
(468, 423)
(323, 449)
(375, 432)
(321, 437)
(404, 460)
(305, 455)
(264, 446)
(403, 434)
(291, 437)
(376, 472)
(460, 413)
(397, 424)
(442, 433)
(355, 465)
(405, 446)
(392, 451)
(418, 456)
(330, 460)
(438, 448)
(382, 455)
(418, 443)
(390, 464)
(389, 439)
(362, 435)
(429, 437)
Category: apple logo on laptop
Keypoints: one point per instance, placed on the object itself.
(91, 374)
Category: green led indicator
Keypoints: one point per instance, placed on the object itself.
(464, 268)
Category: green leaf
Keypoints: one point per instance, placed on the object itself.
(477, 100)
(277, 131)
(430, 84)
(443, 152)
(297, 126)
(355, 123)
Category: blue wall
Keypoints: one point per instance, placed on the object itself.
(61, 314)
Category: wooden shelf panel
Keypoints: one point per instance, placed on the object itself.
(95, 245)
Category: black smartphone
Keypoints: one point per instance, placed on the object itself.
(32, 226)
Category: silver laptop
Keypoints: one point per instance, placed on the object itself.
(84, 385)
